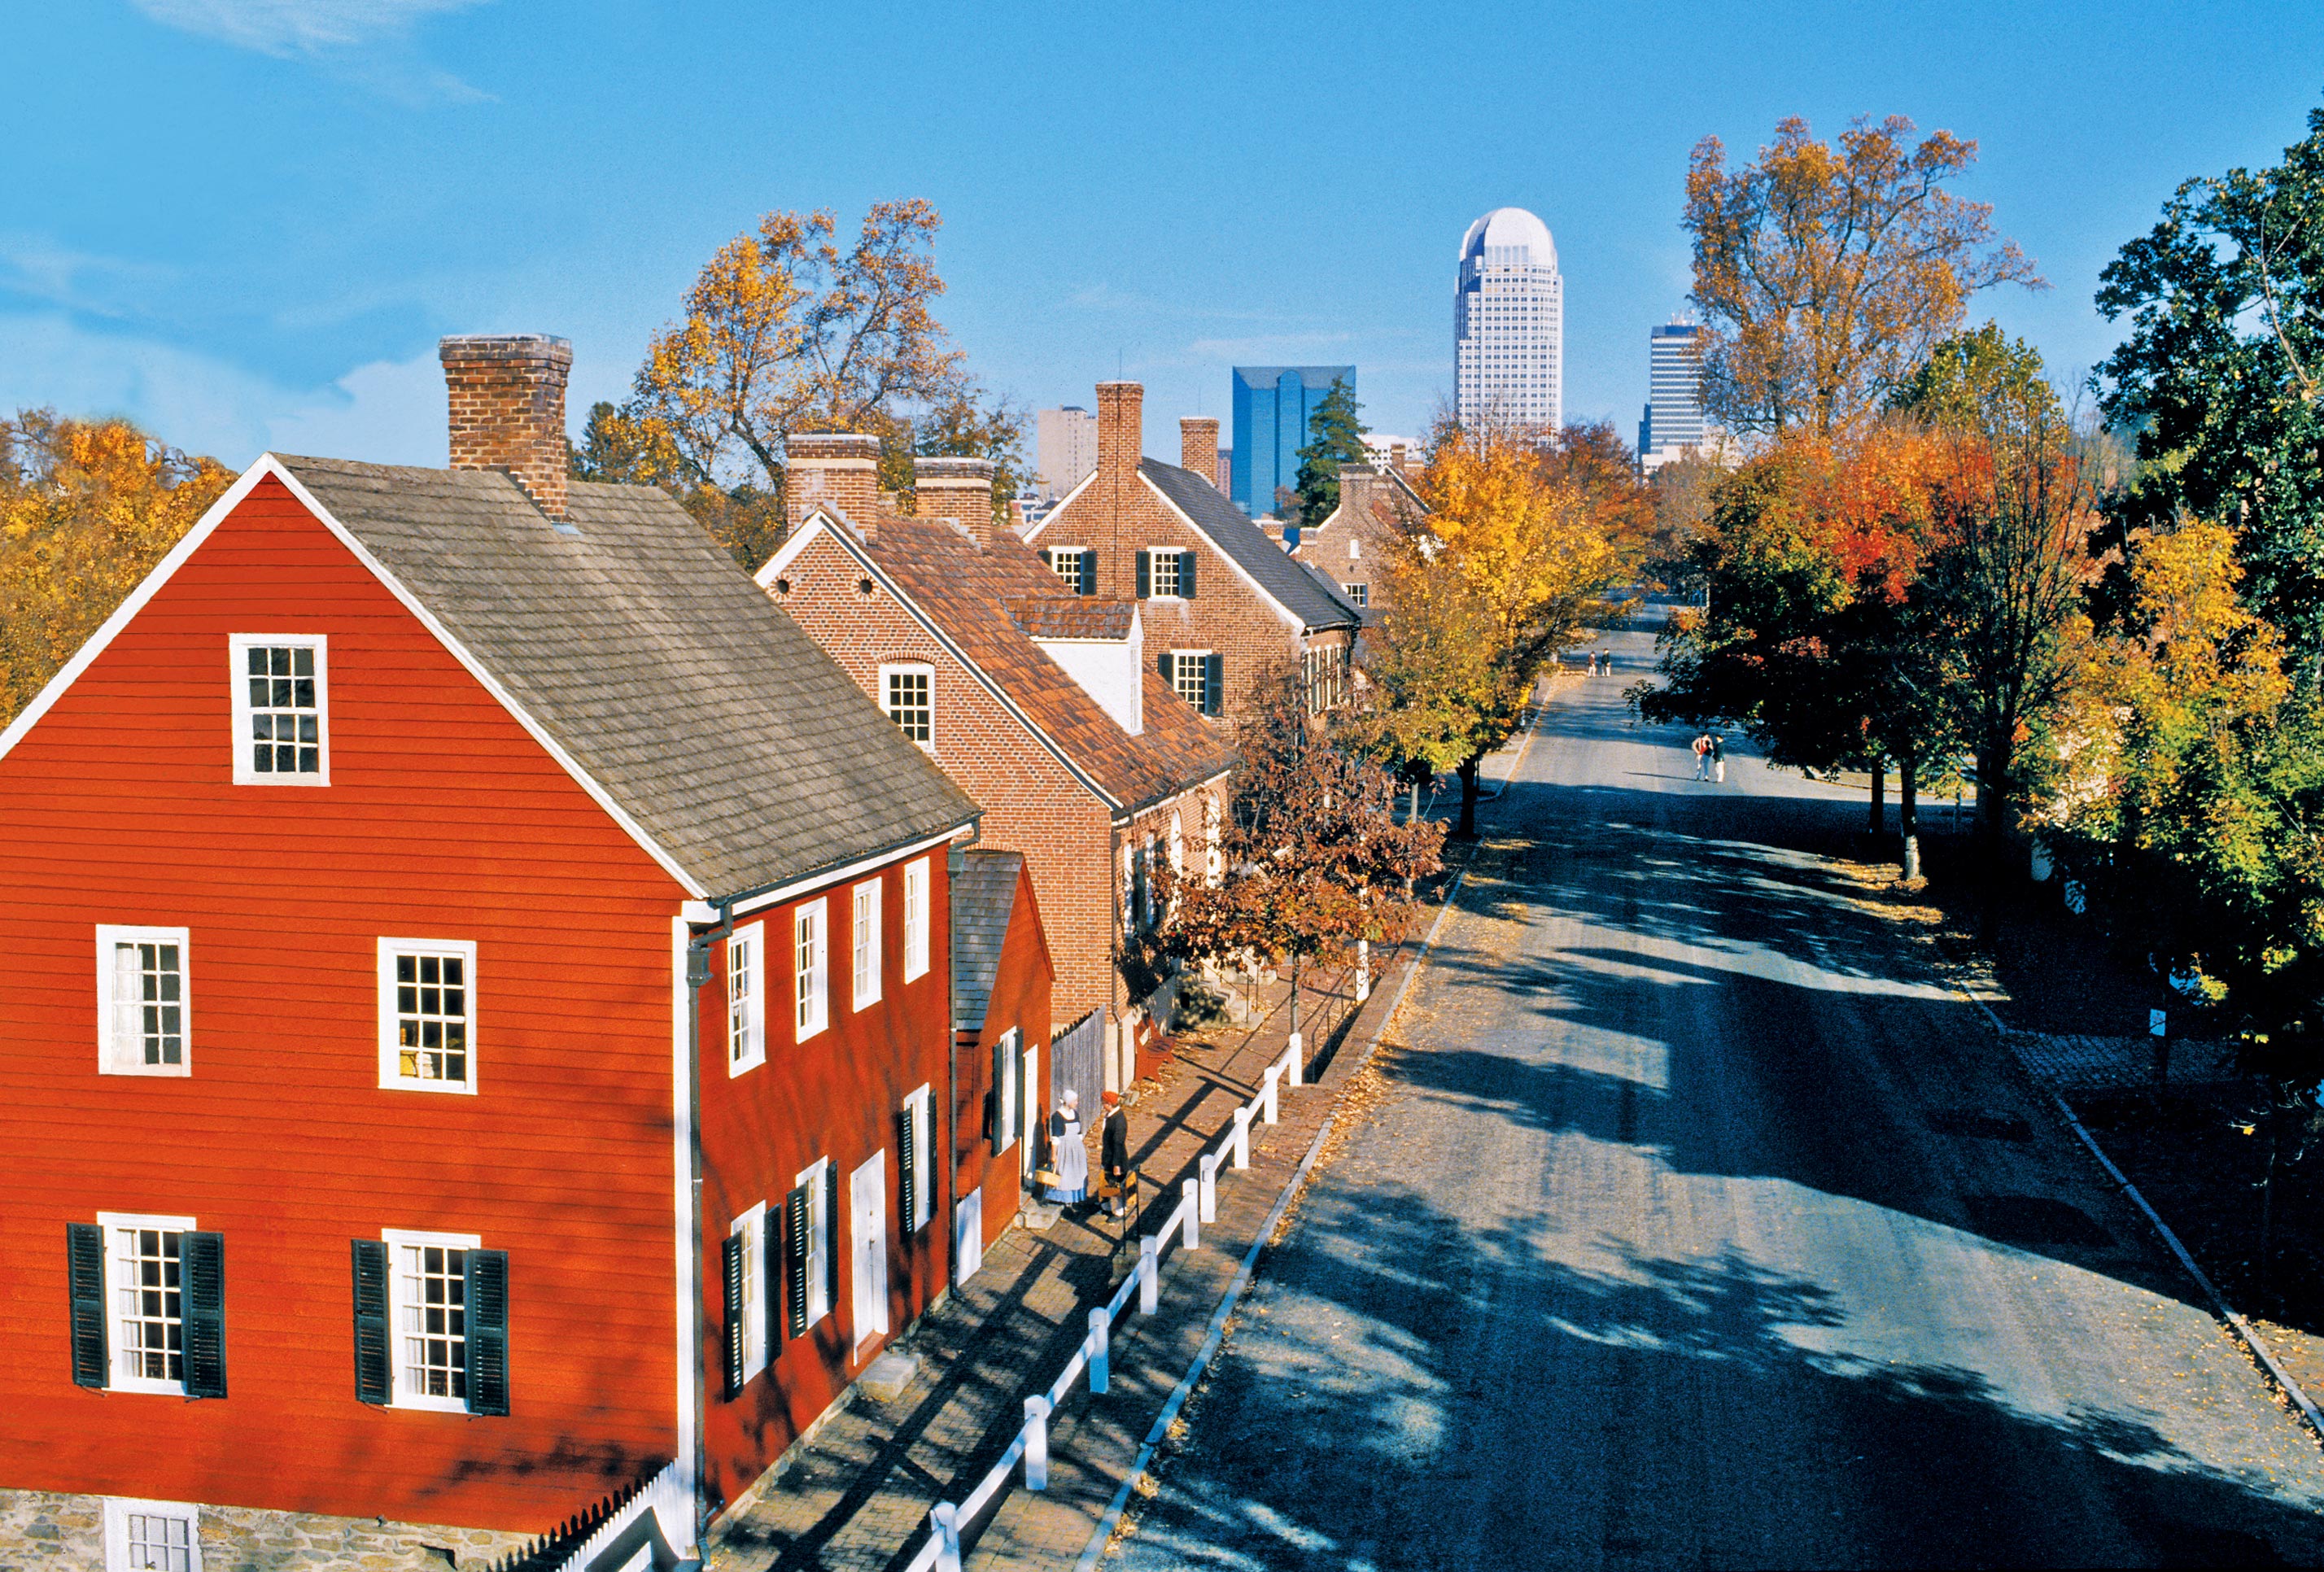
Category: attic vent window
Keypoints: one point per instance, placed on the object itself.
(782, 586)
(863, 586)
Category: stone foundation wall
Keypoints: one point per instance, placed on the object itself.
(48, 1531)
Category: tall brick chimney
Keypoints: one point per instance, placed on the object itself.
(959, 489)
(1120, 428)
(838, 467)
(507, 394)
(1198, 446)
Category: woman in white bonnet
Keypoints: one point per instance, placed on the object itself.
(1068, 1156)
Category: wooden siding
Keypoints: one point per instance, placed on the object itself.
(1021, 996)
(836, 1096)
(444, 819)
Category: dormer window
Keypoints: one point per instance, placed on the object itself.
(280, 710)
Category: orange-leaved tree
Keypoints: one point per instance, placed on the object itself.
(87, 509)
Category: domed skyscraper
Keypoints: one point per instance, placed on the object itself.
(1509, 323)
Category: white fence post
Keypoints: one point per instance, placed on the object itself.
(1297, 1058)
(1242, 1136)
(1101, 1349)
(1036, 1443)
(1363, 969)
(1210, 1169)
(1194, 1214)
(1268, 1095)
(1149, 1281)
(944, 1518)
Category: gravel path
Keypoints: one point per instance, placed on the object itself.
(1698, 1224)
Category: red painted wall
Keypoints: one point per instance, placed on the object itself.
(1020, 998)
(444, 819)
(837, 1095)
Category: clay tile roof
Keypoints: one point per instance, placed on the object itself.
(701, 709)
(983, 897)
(1054, 616)
(975, 595)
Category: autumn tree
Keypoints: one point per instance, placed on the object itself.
(1310, 859)
(1334, 436)
(87, 509)
(968, 422)
(1824, 275)
(2222, 372)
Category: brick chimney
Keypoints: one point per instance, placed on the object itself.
(507, 396)
(838, 467)
(1364, 489)
(959, 489)
(1198, 446)
(1120, 428)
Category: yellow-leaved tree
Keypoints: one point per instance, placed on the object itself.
(87, 509)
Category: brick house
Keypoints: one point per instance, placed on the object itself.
(1352, 547)
(1207, 581)
(1087, 752)
(473, 986)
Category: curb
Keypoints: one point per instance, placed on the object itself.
(2220, 1309)
(1111, 1517)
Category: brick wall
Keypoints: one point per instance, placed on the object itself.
(506, 393)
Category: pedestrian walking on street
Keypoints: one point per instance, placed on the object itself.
(1718, 758)
(1703, 756)
(1113, 1151)
(1068, 1156)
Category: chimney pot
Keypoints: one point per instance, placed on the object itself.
(505, 392)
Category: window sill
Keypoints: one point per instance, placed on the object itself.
(242, 777)
(440, 1087)
(412, 1402)
(146, 1386)
(167, 1072)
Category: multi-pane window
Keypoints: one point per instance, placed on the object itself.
(746, 998)
(142, 1000)
(149, 1310)
(865, 930)
(1188, 670)
(428, 1013)
(910, 701)
(916, 918)
(151, 1535)
(1166, 576)
(431, 1321)
(1359, 594)
(809, 995)
(1076, 564)
(750, 1231)
(280, 709)
(816, 1182)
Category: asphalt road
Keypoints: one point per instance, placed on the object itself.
(1694, 1229)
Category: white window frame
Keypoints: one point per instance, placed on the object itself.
(1004, 1113)
(910, 668)
(810, 981)
(238, 649)
(868, 1290)
(399, 1300)
(390, 1073)
(1359, 593)
(921, 1112)
(818, 1238)
(758, 1283)
(119, 1509)
(746, 1039)
(1198, 661)
(867, 961)
(1080, 554)
(115, 1057)
(1154, 557)
(916, 918)
(120, 1378)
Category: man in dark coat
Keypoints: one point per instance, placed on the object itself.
(1113, 1150)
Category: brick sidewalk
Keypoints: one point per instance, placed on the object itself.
(855, 1493)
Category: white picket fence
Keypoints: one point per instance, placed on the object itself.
(646, 1533)
(947, 1521)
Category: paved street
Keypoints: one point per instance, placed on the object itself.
(1699, 1227)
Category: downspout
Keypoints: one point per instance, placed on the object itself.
(698, 976)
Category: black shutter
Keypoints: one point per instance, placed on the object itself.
(771, 1275)
(1089, 570)
(1185, 575)
(201, 1265)
(488, 1318)
(1167, 663)
(1214, 683)
(372, 1376)
(1145, 573)
(729, 1261)
(831, 1236)
(85, 1269)
(907, 1176)
(795, 1215)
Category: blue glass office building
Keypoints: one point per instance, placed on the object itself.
(1272, 404)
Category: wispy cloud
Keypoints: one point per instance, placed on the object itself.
(36, 268)
(366, 40)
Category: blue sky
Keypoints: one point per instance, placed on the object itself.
(246, 222)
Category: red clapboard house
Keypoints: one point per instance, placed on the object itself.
(474, 1018)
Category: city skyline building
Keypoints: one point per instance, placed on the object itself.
(1064, 449)
(1271, 409)
(1508, 324)
(1671, 423)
